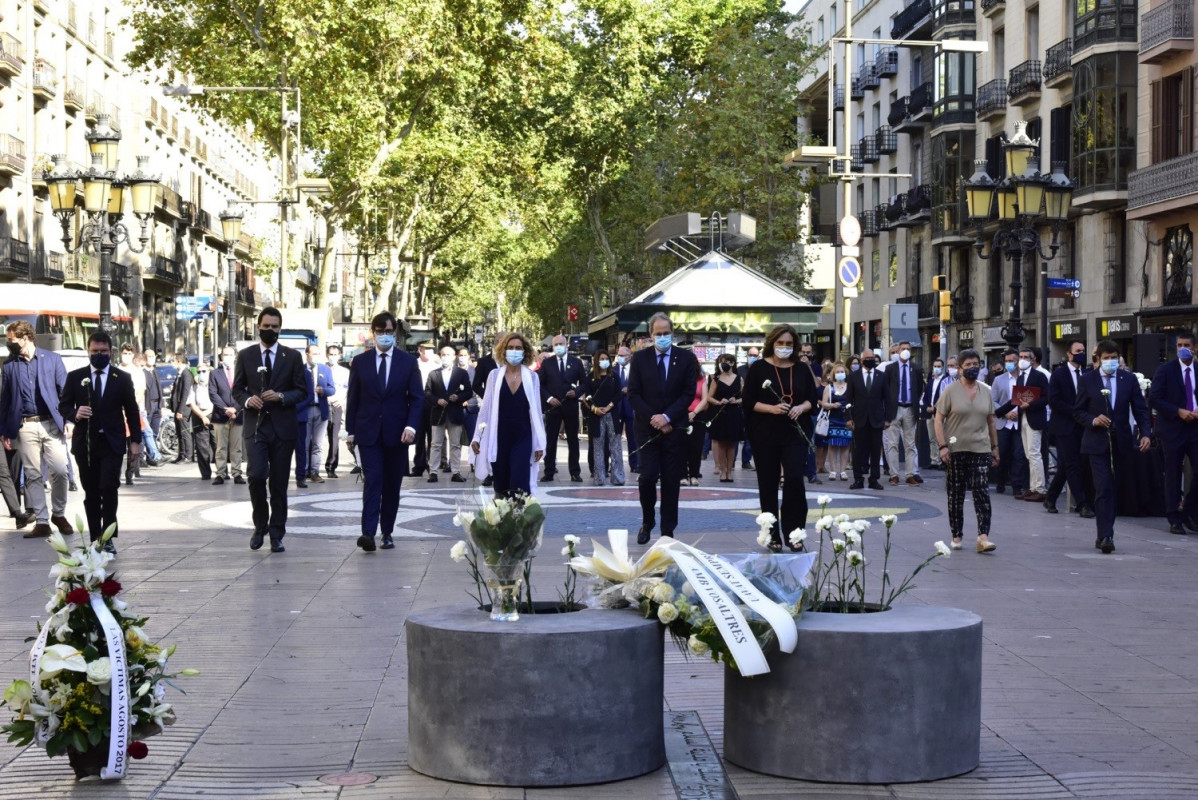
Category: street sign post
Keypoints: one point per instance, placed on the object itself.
(1064, 288)
(190, 307)
(849, 272)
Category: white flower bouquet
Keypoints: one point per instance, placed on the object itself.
(502, 536)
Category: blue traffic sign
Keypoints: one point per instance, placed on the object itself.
(197, 306)
(1064, 283)
(849, 271)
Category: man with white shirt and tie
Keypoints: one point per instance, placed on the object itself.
(226, 419)
(1033, 419)
(1066, 433)
(905, 386)
(336, 408)
(941, 378)
(624, 413)
(563, 383)
(1174, 396)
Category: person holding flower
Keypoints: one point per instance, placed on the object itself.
(779, 394)
(726, 424)
(968, 444)
(1107, 399)
(509, 439)
(603, 420)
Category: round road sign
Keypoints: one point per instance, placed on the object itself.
(849, 271)
(850, 231)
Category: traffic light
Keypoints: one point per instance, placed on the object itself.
(946, 304)
(939, 283)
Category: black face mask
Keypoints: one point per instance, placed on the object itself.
(268, 336)
(14, 349)
(99, 360)
(1079, 359)
(725, 367)
(868, 363)
(971, 373)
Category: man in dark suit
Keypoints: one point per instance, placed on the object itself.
(1066, 433)
(226, 419)
(268, 382)
(563, 383)
(1174, 395)
(1033, 419)
(446, 392)
(153, 406)
(100, 402)
(661, 385)
(1105, 397)
(383, 409)
(31, 422)
(180, 393)
(903, 390)
(318, 412)
(301, 432)
(625, 416)
(870, 413)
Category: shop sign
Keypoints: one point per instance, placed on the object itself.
(992, 334)
(965, 337)
(1117, 327)
(1069, 329)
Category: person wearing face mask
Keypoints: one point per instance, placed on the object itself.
(31, 423)
(226, 419)
(181, 390)
(314, 414)
(1066, 433)
(471, 419)
(839, 436)
(624, 413)
(746, 451)
(336, 409)
(202, 408)
(601, 405)
(931, 394)
(1012, 465)
(269, 382)
(383, 408)
(1174, 396)
(510, 438)
(1107, 399)
(968, 443)
(869, 403)
(103, 423)
(446, 393)
(727, 427)
(563, 383)
(1033, 419)
(661, 385)
(153, 404)
(428, 362)
(133, 468)
(904, 387)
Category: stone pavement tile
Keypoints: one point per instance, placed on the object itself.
(1040, 787)
(1131, 786)
(412, 784)
(217, 788)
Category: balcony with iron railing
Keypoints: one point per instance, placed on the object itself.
(869, 149)
(885, 140)
(45, 79)
(14, 257)
(917, 208)
(991, 99)
(1058, 68)
(946, 13)
(867, 76)
(122, 283)
(165, 269)
(95, 107)
(838, 98)
(856, 160)
(47, 268)
(991, 8)
(73, 94)
(895, 208)
(869, 223)
(886, 62)
(12, 154)
(1167, 31)
(170, 201)
(949, 222)
(1106, 22)
(882, 217)
(1023, 83)
(913, 22)
(919, 110)
(898, 112)
(1168, 185)
(857, 91)
(928, 304)
(12, 55)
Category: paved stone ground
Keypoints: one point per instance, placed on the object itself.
(1090, 662)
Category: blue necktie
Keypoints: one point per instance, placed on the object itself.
(382, 372)
(661, 368)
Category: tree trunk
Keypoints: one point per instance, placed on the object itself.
(328, 261)
(400, 238)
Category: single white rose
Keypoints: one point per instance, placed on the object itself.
(667, 613)
(663, 593)
(942, 549)
(797, 537)
(99, 672)
(697, 646)
(458, 552)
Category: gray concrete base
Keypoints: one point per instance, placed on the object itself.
(549, 700)
(889, 697)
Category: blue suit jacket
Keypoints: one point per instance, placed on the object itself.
(1091, 402)
(51, 378)
(1168, 394)
(322, 400)
(377, 416)
(1061, 399)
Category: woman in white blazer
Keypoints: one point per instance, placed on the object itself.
(509, 439)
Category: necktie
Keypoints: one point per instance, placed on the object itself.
(382, 371)
(315, 382)
(561, 365)
(1110, 391)
(1073, 373)
(1022, 379)
(903, 386)
(266, 363)
(869, 379)
(99, 381)
(661, 368)
(1189, 391)
(229, 376)
(624, 376)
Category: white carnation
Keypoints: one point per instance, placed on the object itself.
(458, 552)
(942, 549)
(667, 613)
(765, 519)
(797, 537)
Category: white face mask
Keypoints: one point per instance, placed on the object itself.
(1024, 364)
(126, 359)
(905, 355)
(952, 372)
(446, 362)
(463, 361)
(227, 361)
(621, 360)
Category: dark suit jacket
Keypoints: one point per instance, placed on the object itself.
(647, 395)
(379, 416)
(485, 366)
(114, 413)
(435, 389)
(51, 376)
(153, 393)
(1061, 399)
(286, 378)
(1091, 402)
(1168, 394)
(1036, 413)
(325, 381)
(220, 391)
(555, 382)
(624, 406)
(914, 391)
(181, 391)
(873, 408)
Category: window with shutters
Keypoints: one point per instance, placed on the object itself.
(1116, 261)
(1172, 100)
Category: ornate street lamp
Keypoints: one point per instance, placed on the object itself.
(1025, 200)
(230, 227)
(104, 204)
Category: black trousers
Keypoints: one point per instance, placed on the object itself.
(774, 457)
(694, 449)
(269, 465)
(564, 415)
(1069, 470)
(662, 458)
(1012, 463)
(1177, 450)
(183, 436)
(867, 453)
(424, 438)
(100, 477)
(202, 440)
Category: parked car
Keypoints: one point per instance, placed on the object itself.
(167, 375)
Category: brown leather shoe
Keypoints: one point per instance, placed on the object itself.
(39, 530)
(1020, 495)
(1035, 497)
(63, 526)
(315, 478)
(911, 481)
(894, 480)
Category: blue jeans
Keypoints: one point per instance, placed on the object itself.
(147, 439)
(746, 453)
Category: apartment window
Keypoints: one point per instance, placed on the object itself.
(1115, 225)
(892, 272)
(916, 71)
(875, 270)
(1032, 34)
(1104, 118)
(952, 162)
(1172, 100)
(1059, 134)
(954, 88)
(1104, 21)
(819, 29)
(998, 55)
(916, 163)
(832, 16)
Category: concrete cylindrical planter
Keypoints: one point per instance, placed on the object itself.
(888, 697)
(549, 700)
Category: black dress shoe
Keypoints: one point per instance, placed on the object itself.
(857, 485)
(917, 479)
(488, 481)
(366, 543)
(239, 480)
(576, 479)
(178, 460)
(74, 487)
(1107, 546)
(457, 478)
(548, 478)
(1050, 507)
(1001, 488)
(277, 547)
(1177, 530)
(22, 520)
(670, 534)
(1192, 524)
(128, 480)
(256, 540)
(388, 544)
(815, 480)
(1098, 543)
(301, 483)
(153, 462)
(109, 547)
(1086, 513)
(642, 536)
(875, 486)
(331, 473)
(432, 477)
(219, 480)
(358, 471)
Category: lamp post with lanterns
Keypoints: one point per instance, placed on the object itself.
(104, 204)
(230, 228)
(1024, 198)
